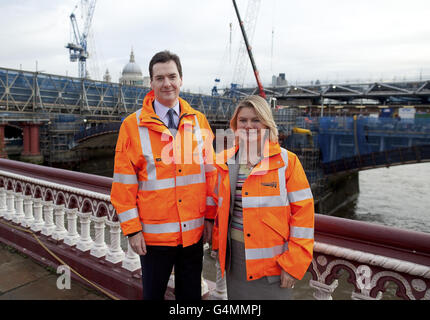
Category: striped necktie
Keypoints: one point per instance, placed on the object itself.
(171, 125)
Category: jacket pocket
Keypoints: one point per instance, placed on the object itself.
(152, 208)
(278, 223)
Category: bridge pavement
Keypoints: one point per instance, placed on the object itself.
(23, 279)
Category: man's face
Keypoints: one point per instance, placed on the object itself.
(166, 83)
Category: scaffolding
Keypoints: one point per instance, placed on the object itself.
(57, 139)
(33, 92)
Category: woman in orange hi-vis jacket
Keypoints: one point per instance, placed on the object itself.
(264, 228)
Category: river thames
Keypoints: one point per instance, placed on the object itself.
(397, 196)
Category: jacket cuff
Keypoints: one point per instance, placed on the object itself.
(132, 234)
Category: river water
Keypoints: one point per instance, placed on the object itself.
(397, 196)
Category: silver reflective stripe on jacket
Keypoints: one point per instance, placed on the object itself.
(192, 224)
(125, 178)
(301, 232)
(216, 191)
(210, 201)
(152, 185)
(161, 228)
(198, 134)
(300, 195)
(209, 167)
(265, 253)
(173, 226)
(190, 179)
(267, 201)
(145, 143)
(128, 215)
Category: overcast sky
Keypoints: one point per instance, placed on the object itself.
(329, 40)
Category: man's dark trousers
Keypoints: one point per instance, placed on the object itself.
(157, 266)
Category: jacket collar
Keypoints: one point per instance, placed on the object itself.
(268, 162)
(161, 110)
(148, 117)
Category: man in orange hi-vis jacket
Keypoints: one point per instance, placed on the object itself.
(162, 184)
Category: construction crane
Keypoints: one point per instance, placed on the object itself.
(78, 49)
(240, 71)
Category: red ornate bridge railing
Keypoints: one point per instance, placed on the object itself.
(60, 217)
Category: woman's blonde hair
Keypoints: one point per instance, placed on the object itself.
(264, 114)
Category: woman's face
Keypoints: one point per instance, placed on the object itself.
(249, 126)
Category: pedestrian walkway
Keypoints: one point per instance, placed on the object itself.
(21, 278)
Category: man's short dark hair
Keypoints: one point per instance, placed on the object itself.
(163, 57)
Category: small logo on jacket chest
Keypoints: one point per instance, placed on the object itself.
(269, 184)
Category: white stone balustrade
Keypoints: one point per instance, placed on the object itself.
(49, 219)
(131, 261)
(48, 216)
(28, 212)
(99, 247)
(322, 290)
(60, 231)
(115, 253)
(85, 242)
(72, 236)
(83, 230)
(38, 222)
(10, 204)
(3, 206)
(19, 208)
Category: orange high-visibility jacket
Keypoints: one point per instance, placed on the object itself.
(278, 214)
(161, 183)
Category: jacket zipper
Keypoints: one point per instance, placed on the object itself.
(185, 114)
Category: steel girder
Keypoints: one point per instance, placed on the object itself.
(412, 90)
(35, 93)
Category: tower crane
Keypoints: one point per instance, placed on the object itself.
(78, 49)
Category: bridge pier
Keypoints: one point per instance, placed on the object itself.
(35, 140)
(3, 153)
(26, 140)
(31, 143)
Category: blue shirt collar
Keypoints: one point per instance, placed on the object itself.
(161, 110)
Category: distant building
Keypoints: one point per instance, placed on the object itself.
(131, 73)
(279, 81)
(107, 76)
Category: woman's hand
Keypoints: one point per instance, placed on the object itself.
(287, 281)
